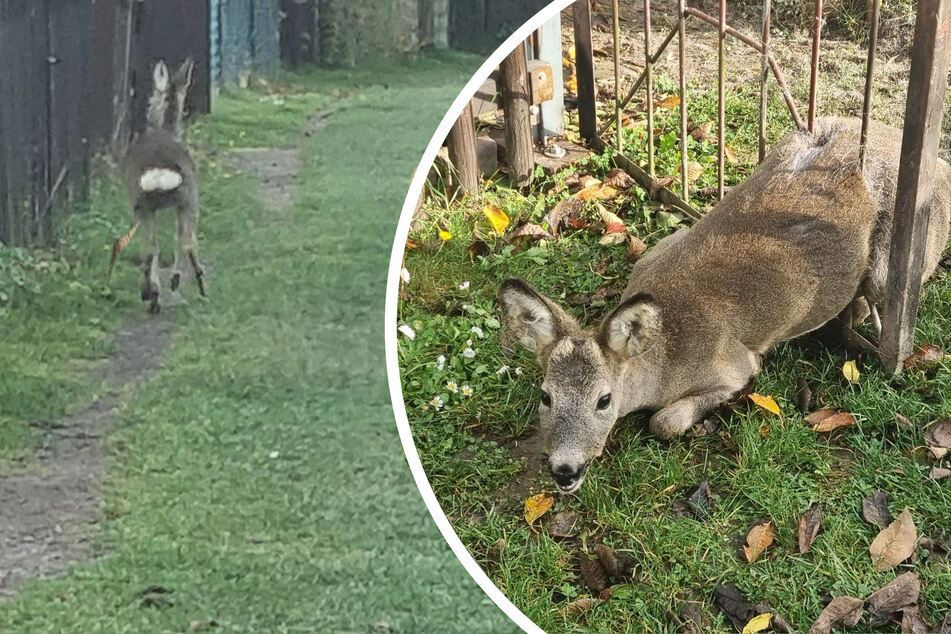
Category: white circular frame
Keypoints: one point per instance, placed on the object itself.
(392, 289)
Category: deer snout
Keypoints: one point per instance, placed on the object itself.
(567, 476)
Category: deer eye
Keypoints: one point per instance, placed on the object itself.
(604, 401)
(546, 399)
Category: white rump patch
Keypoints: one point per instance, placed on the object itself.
(159, 180)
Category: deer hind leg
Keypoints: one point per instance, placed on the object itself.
(150, 261)
(188, 245)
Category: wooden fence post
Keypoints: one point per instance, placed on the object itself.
(516, 100)
(923, 110)
(584, 70)
(462, 151)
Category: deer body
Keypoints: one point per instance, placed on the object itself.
(158, 173)
(805, 238)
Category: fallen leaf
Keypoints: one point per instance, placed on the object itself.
(701, 500)
(938, 473)
(938, 438)
(668, 218)
(635, 248)
(912, 622)
(587, 180)
(479, 249)
(730, 155)
(851, 372)
(809, 524)
(619, 178)
(758, 623)
(497, 218)
(708, 192)
(765, 402)
(895, 543)
(692, 617)
(764, 431)
(875, 509)
(925, 357)
(117, 248)
(757, 540)
(733, 604)
(845, 610)
(581, 605)
(658, 184)
(563, 213)
(599, 191)
(531, 231)
(615, 564)
(830, 423)
(562, 524)
(694, 170)
(668, 102)
(536, 506)
(901, 591)
(412, 245)
(702, 132)
(818, 416)
(804, 396)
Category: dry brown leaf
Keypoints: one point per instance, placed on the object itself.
(730, 155)
(809, 524)
(938, 473)
(117, 248)
(845, 610)
(804, 395)
(901, 591)
(562, 524)
(660, 183)
(668, 102)
(938, 438)
(536, 506)
(635, 248)
(694, 170)
(619, 178)
(412, 245)
(757, 540)
(875, 509)
(818, 416)
(924, 357)
(592, 573)
(564, 213)
(830, 423)
(530, 231)
(587, 180)
(581, 605)
(895, 543)
(702, 132)
(913, 623)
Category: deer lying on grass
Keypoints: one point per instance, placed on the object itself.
(805, 238)
(158, 173)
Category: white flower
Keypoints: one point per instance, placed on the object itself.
(452, 386)
(468, 353)
(518, 371)
(406, 330)
(274, 454)
(466, 390)
(440, 362)
(436, 402)
(404, 275)
(478, 332)
(469, 342)
(502, 370)
(464, 285)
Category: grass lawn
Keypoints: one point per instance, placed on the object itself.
(472, 406)
(258, 475)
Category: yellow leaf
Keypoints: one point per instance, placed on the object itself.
(758, 623)
(572, 84)
(536, 506)
(851, 372)
(445, 235)
(766, 402)
(496, 217)
(668, 102)
(571, 51)
(117, 248)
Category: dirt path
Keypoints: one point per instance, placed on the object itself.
(48, 506)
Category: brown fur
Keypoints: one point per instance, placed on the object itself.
(805, 237)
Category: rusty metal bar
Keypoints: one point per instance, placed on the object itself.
(648, 69)
(640, 78)
(927, 85)
(617, 75)
(869, 71)
(721, 100)
(584, 71)
(681, 52)
(814, 75)
(764, 75)
(777, 73)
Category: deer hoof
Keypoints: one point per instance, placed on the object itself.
(176, 280)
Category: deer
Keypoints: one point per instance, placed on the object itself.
(159, 173)
(805, 239)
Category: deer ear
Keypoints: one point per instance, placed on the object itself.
(632, 328)
(183, 76)
(530, 318)
(160, 76)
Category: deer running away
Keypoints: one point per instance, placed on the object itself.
(159, 173)
(805, 239)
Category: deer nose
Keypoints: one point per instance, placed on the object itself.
(565, 475)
